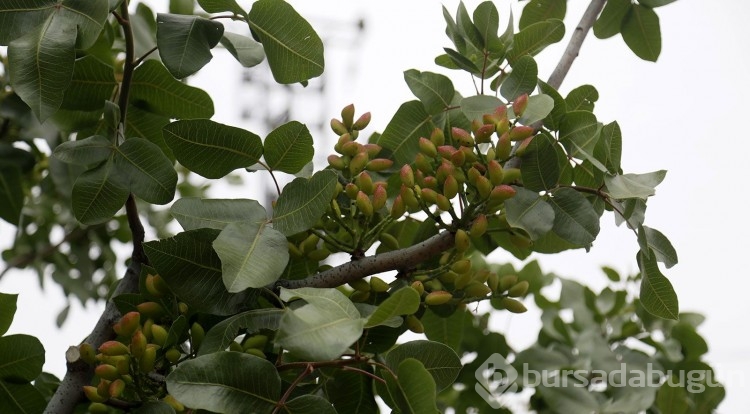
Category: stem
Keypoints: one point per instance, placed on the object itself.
(127, 72)
(145, 55)
(270, 171)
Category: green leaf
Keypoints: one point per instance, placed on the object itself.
(182, 6)
(655, 3)
(21, 358)
(528, 211)
(211, 149)
(440, 361)
(522, 79)
(538, 108)
(98, 194)
(552, 121)
(401, 135)
(534, 38)
(446, 330)
(218, 6)
(351, 392)
(474, 107)
(657, 294)
(487, 22)
(309, 404)
(575, 218)
(302, 202)
(582, 98)
(149, 172)
(633, 185)
(660, 245)
(192, 270)
(579, 133)
(434, 90)
(185, 42)
(155, 90)
(7, 311)
(93, 83)
(570, 399)
(294, 50)
(246, 50)
(462, 61)
(195, 213)
(323, 328)
(40, 65)
(11, 193)
(672, 398)
(692, 344)
(610, 21)
(144, 124)
(642, 33)
(539, 168)
(21, 398)
(226, 382)
(86, 18)
(223, 333)
(466, 29)
(288, 148)
(608, 149)
(252, 255)
(402, 302)
(417, 387)
(541, 10)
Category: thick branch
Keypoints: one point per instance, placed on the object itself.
(129, 67)
(396, 260)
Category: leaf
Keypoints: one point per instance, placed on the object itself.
(552, 120)
(87, 151)
(522, 79)
(86, 18)
(21, 398)
(641, 32)
(446, 330)
(633, 185)
(575, 218)
(661, 246)
(149, 172)
(570, 399)
(608, 149)
(582, 98)
(192, 270)
(93, 83)
(538, 108)
(539, 168)
(288, 148)
(98, 194)
(351, 392)
(307, 404)
(302, 202)
(417, 388)
(402, 302)
(474, 107)
(185, 42)
(534, 38)
(223, 333)
(541, 10)
(434, 90)
(657, 294)
(226, 382)
(323, 328)
(461, 61)
(672, 398)
(252, 255)
(401, 135)
(195, 213)
(11, 193)
(487, 22)
(294, 50)
(246, 50)
(211, 149)
(155, 90)
(144, 124)
(528, 211)
(7, 311)
(655, 3)
(610, 20)
(440, 361)
(578, 133)
(21, 358)
(218, 6)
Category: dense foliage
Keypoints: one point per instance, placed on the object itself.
(243, 311)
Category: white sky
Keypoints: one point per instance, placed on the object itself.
(683, 114)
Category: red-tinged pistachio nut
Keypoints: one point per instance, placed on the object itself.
(511, 175)
(484, 187)
(364, 204)
(379, 164)
(446, 151)
(172, 402)
(429, 195)
(519, 289)
(414, 324)
(423, 163)
(418, 286)
(462, 280)
(490, 119)
(138, 343)
(450, 187)
(501, 193)
(501, 111)
(107, 372)
(147, 361)
(512, 305)
(458, 158)
(492, 281)
(338, 127)
(407, 176)
(438, 297)
(113, 348)
(444, 170)
(520, 104)
(359, 296)
(477, 290)
(379, 197)
(364, 182)
(473, 174)
(343, 140)
(151, 310)
(362, 122)
(427, 147)
(347, 115)
(197, 333)
(102, 388)
(358, 162)
(437, 137)
(378, 285)
(443, 203)
(507, 281)
(462, 136)
(398, 208)
(504, 146)
(389, 241)
(475, 125)
(129, 323)
(159, 335)
(461, 266)
(92, 394)
(352, 148)
(502, 127)
(523, 146)
(520, 132)
(430, 182)
(469, 154)
(88, 355)
(351, 190)
(372, 150)
(336, 162)
(173, 355)
(479, 226)
(462, 241)
(483, 134)
(255, 352)
(116, 388)
(495, 171)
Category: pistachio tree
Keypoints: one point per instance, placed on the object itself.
(242, 310)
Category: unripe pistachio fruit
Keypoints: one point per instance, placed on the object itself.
(362, 122)
(347, 115)
(520, 104)
(512, 305)
(438, 297)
